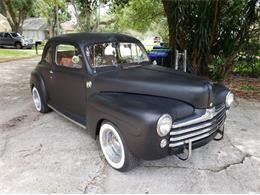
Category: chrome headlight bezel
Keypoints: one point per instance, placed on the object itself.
(229, 99)
(164, 125)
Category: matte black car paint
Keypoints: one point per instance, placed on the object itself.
(133, 99)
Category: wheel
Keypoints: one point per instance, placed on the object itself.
(18, 46)
(40, 105)
(115, 149)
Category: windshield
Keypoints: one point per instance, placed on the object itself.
(16, 35)
(114, 54)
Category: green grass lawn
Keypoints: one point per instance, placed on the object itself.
(9, 54)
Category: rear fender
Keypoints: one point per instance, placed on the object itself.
(37, 80)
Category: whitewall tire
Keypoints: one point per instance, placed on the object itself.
(38, 101)
(115, 149)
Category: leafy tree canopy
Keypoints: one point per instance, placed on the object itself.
(210, 30)
(16, 12)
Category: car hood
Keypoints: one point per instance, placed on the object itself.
(156, 81)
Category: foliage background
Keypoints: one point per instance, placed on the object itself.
(221, 36)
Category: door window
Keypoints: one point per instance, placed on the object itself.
(48, 55)
(7, 35)
(68, 56)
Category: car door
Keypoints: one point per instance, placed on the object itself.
(8, 40)
(68, 91)
(1, 38)
(46, 69)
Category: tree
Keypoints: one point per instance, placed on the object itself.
(55, 11)
(16, 12)
(141, 16)
(210, 30)
(86, 14)
(213, 32)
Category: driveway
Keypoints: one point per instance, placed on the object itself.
(44, 153)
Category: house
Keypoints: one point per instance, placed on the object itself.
(36, 29)
(4, 24)
(67, 27)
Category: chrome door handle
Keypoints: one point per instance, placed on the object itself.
(51, 72)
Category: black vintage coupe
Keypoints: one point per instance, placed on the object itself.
(106, 84)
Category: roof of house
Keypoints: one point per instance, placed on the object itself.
(35, 24)
(4, 24)
(91, 38)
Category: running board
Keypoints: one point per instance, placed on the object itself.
(71, 120)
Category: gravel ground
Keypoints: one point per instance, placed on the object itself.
(44, 153)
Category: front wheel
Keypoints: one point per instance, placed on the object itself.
(18, 46)
(115, 149)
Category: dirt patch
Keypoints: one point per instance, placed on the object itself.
(13, 122)
(244, 87)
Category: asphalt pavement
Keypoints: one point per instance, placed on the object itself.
(44, 153)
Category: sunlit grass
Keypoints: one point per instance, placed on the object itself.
(9, 54)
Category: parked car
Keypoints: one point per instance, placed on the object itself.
(161, 54)
(15, 40)
(107, 84)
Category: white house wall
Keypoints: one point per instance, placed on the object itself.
(35, 35)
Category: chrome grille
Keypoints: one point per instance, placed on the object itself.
(197, 128)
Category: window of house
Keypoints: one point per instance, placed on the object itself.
(68, 56)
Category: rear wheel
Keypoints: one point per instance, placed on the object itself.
(40, 105)
(115, 149)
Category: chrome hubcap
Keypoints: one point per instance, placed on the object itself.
(36, 99)
(112, 146)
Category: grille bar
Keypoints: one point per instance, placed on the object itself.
(209, 114)
(192, 140)
(197, 127)
(195, 133)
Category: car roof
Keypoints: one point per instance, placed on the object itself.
(91, 38)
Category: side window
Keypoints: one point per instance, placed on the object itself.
(1, 34)
(68, 56)
(7, 35)
(48, 55)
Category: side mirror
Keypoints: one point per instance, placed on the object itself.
(154, 62)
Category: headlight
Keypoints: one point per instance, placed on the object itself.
(229, 99)
(164, 125)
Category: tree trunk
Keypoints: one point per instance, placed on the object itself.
(171, 20)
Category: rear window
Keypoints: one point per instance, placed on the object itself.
(68, 56)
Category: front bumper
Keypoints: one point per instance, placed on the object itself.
(27, 45)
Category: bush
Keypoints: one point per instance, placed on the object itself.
(215, 68)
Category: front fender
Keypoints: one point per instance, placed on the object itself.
(136, 117)
(219, 94)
